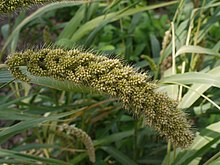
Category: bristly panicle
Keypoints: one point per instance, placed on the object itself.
(111, 76)
(8, 6)
(87, 141)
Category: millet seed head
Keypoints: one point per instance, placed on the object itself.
(111, 76)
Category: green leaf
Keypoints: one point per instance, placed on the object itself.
(196, 49)
(113, 138)
(79, 158)
(111, 17)
(13, 38)
(6, 133)
(155, 45)
(60, 85)
(106, 140)
(192, 95)
(36, 146)
(73, 24)
(202, 143)
(193, 77)
(8, 103)
(26, 158)
(171, 90)
(215, 162)
(6, 76)
(119, 156)
(11, 114)
(215, 18)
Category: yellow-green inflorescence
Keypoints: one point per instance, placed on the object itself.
(7, 6)
(111, 76)
(87, 141)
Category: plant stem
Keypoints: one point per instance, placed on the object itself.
(217, 155)
(168, 153)
(173, 49)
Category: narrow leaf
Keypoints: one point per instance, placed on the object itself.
(193, 77)
(196, 49)
(192, 95)
(202, 143)
(15, 33)
(119, 156)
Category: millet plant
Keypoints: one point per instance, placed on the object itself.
(113, 77)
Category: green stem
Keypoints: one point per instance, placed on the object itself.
(135, 141)
(168, 152)
(217, 155)
(173, 49)
(193, 57)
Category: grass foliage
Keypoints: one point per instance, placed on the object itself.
(176, 42)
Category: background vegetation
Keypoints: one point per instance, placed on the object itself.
(176, 42)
